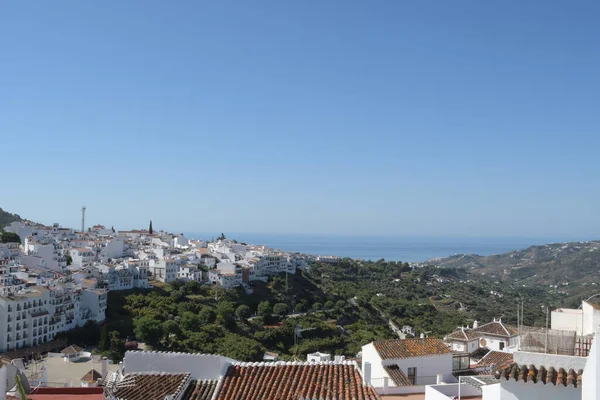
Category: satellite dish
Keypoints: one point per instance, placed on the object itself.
(11, 374)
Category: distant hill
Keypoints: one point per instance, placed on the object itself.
(7, 218)
(551, 264)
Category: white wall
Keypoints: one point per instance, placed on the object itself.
(444, 392)
(591, 318)
(591, 373)
(370, 354)
(569, 320)
(511, 390)
(428, 367)
(547, 360)
(200, 366)
(491, 392)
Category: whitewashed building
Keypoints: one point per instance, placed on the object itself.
(406, 362)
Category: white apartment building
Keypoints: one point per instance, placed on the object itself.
(189, 273)
(50, 254)
(165, 270)
(262, 266)
(9, 250)
(82, 256)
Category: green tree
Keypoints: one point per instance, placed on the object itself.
(9, 237)
(329, 304)
(69, 259)
(264, 308)
(150, 231)
(340, 304)
(104, 342)
(317, 306)
(280, 309)
(222, 237)
(242, 312)
(240, 348)
(171, 327)
(207, 316)
(225, 310)
(117, 346)
(191, 322)
(301, 307)
(149, 330)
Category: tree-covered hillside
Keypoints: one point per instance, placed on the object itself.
(7, 218)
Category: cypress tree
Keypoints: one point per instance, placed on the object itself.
(104, 343)
(150, 227)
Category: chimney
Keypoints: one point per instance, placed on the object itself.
(475, 324)
(121, 368)
(439, 379)
(104, 367)
(500, 320)
(367, 373)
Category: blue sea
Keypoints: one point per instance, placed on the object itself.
(399, 248)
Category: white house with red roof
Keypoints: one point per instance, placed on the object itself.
(406, 363)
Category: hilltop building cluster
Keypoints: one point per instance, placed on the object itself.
(57, 278)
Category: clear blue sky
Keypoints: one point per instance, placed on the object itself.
(387, 117)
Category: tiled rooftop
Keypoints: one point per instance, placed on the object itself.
(283, 381)
(479, 353)
(91, 376)
(200, 390)
(409, 348)
(464, 334)
(496, 358)
(397, 375)
(541, 375)
(72, 349)
(497, 328)
(151, 386)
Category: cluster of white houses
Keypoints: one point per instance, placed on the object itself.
(57, 278)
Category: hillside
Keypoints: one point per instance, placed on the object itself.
(573, 266)
(6, 218)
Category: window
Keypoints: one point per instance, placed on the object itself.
(501, 345)
(412, 375)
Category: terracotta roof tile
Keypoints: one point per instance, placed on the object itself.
(409, 348)
(464, 334)
(479, 353)
(497, 328)
(200, 390)
(151, 386)
(497, 358)
(72, 349)
(397, 375)
(91, 376)
(542, 375)
(290, 381)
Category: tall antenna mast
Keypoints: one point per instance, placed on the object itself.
(83, 219)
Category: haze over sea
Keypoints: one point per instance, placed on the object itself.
(396, 248)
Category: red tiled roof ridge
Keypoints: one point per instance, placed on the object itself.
(291, 363)
(410, 348)
(496, 323)
(156, 373)
(556, 376)
(174, 352)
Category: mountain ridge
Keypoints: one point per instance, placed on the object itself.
(549, 264)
